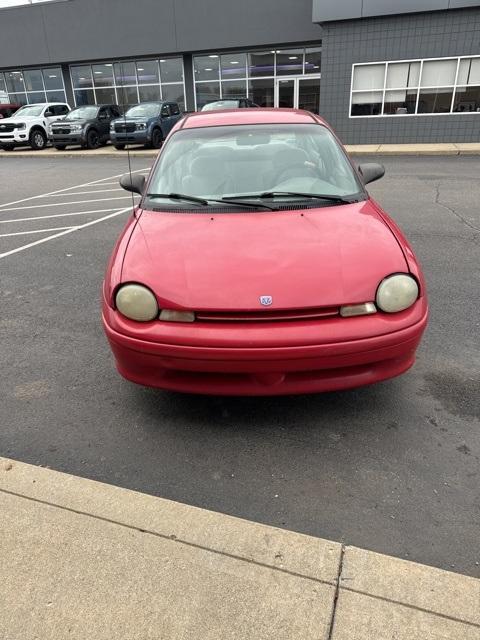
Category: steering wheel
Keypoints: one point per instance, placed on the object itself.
(298, 170)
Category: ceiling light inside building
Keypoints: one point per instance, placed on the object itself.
(233, 61)
(213, 56)
(293, 57)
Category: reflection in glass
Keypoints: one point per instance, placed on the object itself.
(148, 94)
(309, 95)
(366, 103)
(102, 75)
(235, 89)
(313, 59)
(81, 76)
(125, 73)
(127, 95)
(289, 62)
(369, 76)
(174, 93)
(206, 92)
(33, 80)
(171, 70)
(206, 67)
(233, 65)
(435, 100)
(36, 97)
(106, 96)
(84, 96)
(147, 72)
(14, 81)
(400, 102)
(56, 96)
(262, 92)
(53, 79)
(261, 63)
(467, 99)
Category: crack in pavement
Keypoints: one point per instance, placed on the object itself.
(455, 213)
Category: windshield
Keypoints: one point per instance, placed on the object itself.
(221, 104)
(30, 111)
(217, 162)
(83, 113)
(147, 110)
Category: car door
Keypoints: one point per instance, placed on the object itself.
(51, 113)
(104, 117)
(166, 117)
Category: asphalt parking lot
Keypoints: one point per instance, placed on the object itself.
(392, 467)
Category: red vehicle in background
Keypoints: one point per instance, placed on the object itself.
(256, 263)
(7, 110)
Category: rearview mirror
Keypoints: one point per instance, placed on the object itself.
(370, 171)
(136, 183)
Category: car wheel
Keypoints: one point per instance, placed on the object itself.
(119, 147)
(157, 139)
(8, 147)
(60, 147)
(93, 139)
(38, 139)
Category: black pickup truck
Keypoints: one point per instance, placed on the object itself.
(87, 126)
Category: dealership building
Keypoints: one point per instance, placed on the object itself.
(377, 70)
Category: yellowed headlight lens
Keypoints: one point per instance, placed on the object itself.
(136, 302)
(397, 293)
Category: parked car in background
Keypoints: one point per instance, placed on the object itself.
(148, 123)
(87, 126)
(7, 110)
(29, 125)
(241, 103)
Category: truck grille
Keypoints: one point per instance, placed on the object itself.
(7, 127)
(124, 127)
(319, 313)
(63, 130)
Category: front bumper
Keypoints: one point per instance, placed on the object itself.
(68, 138)
(265, 370)
(134, 137)
(16, 137)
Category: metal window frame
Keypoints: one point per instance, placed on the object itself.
(44, 91)
(418, 88)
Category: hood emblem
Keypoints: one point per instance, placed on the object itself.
(266, 301)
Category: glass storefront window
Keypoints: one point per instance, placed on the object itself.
(313, 59)
(55, 96)
(206, 67)
(469, 71)
(206, 92)
(435, 100)
(289, 62)
(102, 75)
(3, 86)
(309, 95)
(233, 65)
(36, 97)
(149, 94)
(262, 92)
(403, 74)
(147, 72)
(126, 95)
(367, 103)
(261, 63)
(400, 101)
(438, 73)
(171, 70)
(106, 96)
(125, 73)
(52, 79)
(174, 93)
(234, 89)
(18, 98)
(84, 96)
(81, 77)
(467, 100)
(14, 80)
(33, 80)
(368, 76)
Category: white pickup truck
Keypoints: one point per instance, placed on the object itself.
(29, 126)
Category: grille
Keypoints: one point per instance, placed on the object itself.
(122, 127)
(8, 126)
(60, 130)
(277, 315)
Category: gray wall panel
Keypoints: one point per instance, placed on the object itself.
(336, 9)
(389, 7)
(328, 10)
(420, 35)
(22, 41)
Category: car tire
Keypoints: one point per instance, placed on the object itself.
(7, 147)
(93, 139)
(38, 139)
(60, 147)
(119, 147)
(157, 139)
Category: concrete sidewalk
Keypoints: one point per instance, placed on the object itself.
(80, 559)
(441, 149)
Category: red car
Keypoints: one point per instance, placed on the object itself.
(257, 264)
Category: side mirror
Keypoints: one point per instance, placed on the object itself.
(134, 183)
(48, 113)
(371, 171)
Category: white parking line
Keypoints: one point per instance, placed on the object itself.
(76, 186)
(63, 233)
(57, 215)
(80, 193)
(26, 233)
(63, 204)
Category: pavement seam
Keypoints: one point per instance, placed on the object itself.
(337, 593)
(455, 213)
(170, 538)
(445, 616)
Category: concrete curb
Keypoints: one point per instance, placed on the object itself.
(441, 149)
(106, 562)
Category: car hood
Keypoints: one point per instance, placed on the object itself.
(19, 118)
(311, 258)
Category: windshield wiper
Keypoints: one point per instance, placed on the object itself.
(204, 202)
(273, 194)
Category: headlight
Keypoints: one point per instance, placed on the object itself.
(136, 302)
(396, 293)
(20, 125)
(76, 127)
(141, 126)
(112, 127)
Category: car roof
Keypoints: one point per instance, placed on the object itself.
(249, 116)
(43, 104)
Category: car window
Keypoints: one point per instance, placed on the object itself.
(165, 110)
(103, 113)
(29, 111)
(146, 110)
(60, 109)
(213, 162)
(87, 112)
(115, 111)
(174, 109)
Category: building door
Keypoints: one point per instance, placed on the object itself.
(298, 93)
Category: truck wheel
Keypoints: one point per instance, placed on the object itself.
(38, 139)
(157, 139)
(93, 139)
(60, 147)
(119, 147)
